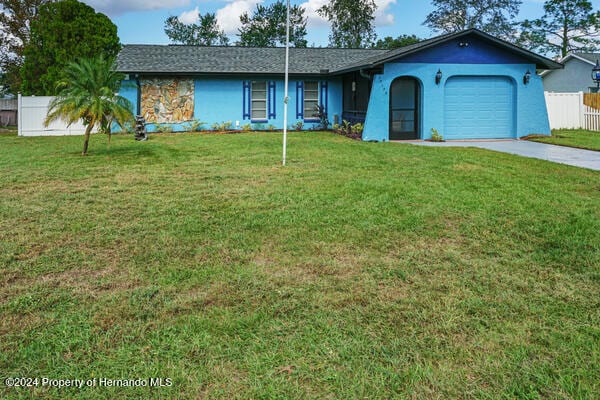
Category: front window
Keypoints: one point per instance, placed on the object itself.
(311, 99)
(259, 101)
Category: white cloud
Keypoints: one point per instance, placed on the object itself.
(189, 17)
(310, 10)
(229, 16)
(117, 7)
(382, 15)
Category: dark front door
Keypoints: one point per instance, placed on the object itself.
(404, 109)
(356, 92)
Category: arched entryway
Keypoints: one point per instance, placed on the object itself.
(405, 97)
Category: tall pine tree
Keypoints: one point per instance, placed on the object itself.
(206, 32)
(567, 25)
(496, 17)
(266, 26)
(352, 22)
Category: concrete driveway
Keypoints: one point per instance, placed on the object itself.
(558, 154)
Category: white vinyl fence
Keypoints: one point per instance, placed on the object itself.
(32, 112)
(567, 111)
(591, 118)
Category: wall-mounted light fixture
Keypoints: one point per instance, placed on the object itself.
(596, 74)
(438, 77)
(526, 77)
(463, 44)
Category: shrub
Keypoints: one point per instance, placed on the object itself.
(196, 125)
(436, 136)
(271, 127)
(222, 127)
(246, 127)
(357, 129)
(298, 125)
(353, 131)
(258, 127)
(187, 127)
(164, 128)
(322, 115)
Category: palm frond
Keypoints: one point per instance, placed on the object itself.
(87, 94)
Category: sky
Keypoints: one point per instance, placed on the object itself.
(142, 21)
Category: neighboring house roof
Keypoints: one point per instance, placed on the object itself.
(165, 59)
(235, 60)
(589, 58)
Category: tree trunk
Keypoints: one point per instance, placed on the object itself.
(565, 39)
(88, 130)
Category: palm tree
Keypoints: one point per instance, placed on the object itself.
(87, 93)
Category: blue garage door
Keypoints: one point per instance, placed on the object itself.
(479, 107)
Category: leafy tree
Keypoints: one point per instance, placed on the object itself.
(15, 20)
(389, 42)
(496, 17)
(3, 85)
(204, 33)
(64, 31)
(87, 93)
(567, 25)
(266, 26)
(351, 22)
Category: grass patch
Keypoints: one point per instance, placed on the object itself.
(578, 138)
(10, 130)
(360, 270)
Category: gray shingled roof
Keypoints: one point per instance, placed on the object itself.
(165, 59)
(234, 60)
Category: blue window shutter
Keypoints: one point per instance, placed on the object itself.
(300, 100)
(271, 102)
(323, 96)
(246, 100)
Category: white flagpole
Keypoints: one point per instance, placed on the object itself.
(287, 61)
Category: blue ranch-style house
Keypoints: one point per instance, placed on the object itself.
(466, 85)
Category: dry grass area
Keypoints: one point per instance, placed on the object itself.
(360, 270)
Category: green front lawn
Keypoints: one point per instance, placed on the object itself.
(360, 270)
(572, 138)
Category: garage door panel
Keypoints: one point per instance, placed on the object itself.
(479, 107)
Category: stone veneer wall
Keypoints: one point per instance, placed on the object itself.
(167, 100)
